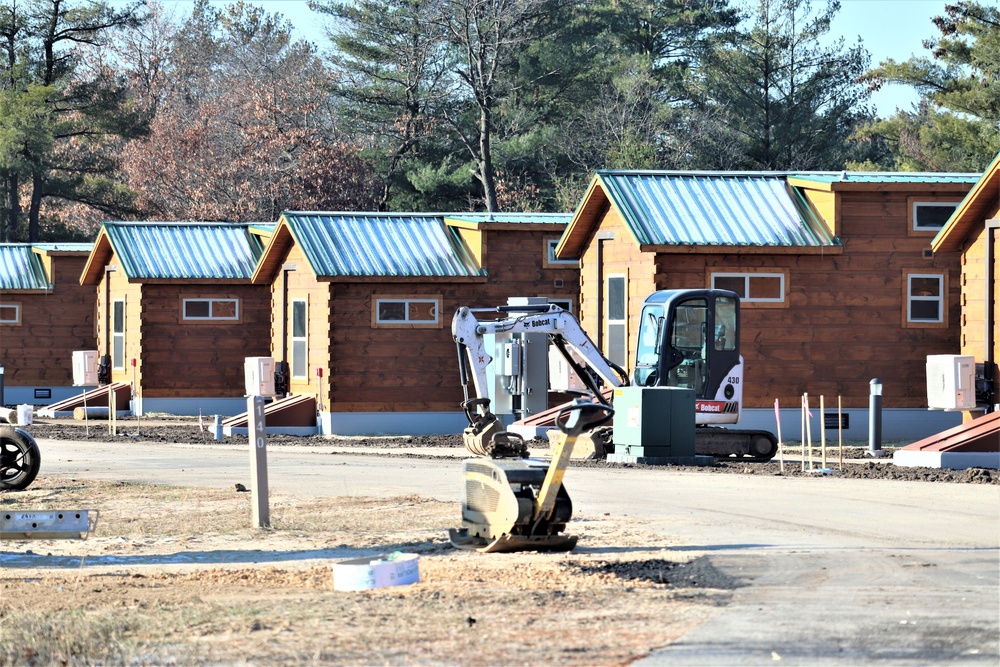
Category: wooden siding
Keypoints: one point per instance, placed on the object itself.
(301, 283)
(844, 324)
(416, 369)
(825, 205)
(39, 350)
(114, 286)
(620, 256)
(199, 359)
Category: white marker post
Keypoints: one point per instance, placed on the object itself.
(257, 433)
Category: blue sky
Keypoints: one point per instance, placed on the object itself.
(887, 29)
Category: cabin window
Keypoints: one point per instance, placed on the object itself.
(300, 340)
(10, 313)
(752, 287)
(925, 298)
(211, 309)
(407, 311)
(616, 320)
(118, 334)
(550, 255)
(931, 216)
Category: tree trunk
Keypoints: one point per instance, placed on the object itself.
(486, 159)
(37, 188)
(8, 227)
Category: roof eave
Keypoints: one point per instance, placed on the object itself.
(971, 211)
(93, 270)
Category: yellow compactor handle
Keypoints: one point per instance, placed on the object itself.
(572, 421)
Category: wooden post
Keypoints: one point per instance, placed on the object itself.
(808, 430)
(802, 432)
(257, 434)
(840, 431)
(822, 430)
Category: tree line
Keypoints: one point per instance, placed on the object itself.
(134, 112)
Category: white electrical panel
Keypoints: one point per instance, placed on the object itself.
(951, 382)
(562, 377)
(259, 373)
(84, 368)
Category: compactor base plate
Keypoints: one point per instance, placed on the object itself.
(462, 539)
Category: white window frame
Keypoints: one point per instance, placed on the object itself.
(619, 356)
(118, 337)
(303, 340)
(407, 320)
(941, 298)
(747, 276)
(212, 317)
(550, 255)
(17, 313)
(915, 214)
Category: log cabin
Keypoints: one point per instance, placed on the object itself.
(362, 306)
(177, 313)
(45, 316)
(973, 231)
(837, 280)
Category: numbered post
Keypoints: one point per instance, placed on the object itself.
(257, 433)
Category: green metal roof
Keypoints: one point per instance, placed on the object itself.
(185, 250)
(381, 244)
(884, 177)
(519, 218)
(713, 208)
(64, 247)
(21, 268)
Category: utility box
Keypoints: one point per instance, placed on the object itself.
(259, 372)
(84, 368)
(951, 382)
(654, 422)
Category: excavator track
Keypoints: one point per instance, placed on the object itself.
(742, 445)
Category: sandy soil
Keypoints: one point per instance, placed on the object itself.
(174, 576)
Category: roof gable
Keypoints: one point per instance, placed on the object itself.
(725, 209)
(972, 212)
(21, 268)
(340, 245)
(176, 251)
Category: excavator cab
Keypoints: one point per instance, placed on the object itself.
(689, 338)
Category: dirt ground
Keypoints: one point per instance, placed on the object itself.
(175, 576)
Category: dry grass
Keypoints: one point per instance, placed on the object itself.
(131, 603)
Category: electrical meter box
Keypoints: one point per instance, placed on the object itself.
(84, 368)
(259, 372)
(654, 422)
(951, 382)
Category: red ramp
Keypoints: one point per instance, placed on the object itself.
(95, 398)
(975, 444)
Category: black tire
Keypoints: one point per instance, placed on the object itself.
(20, 459)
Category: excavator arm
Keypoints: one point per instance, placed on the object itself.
(485, 435)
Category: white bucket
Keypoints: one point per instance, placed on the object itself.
(360, 574)
(24, 414)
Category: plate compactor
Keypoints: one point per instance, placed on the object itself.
(520, 504)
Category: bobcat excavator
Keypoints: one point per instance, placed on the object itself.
(687, 338)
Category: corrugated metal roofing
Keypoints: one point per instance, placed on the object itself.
(885, 177)
(179, 250)
(20, 268)
(727, 209)
(381, 244)
(64, 247)
(522, 218)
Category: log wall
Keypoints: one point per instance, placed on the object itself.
(39, 350)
